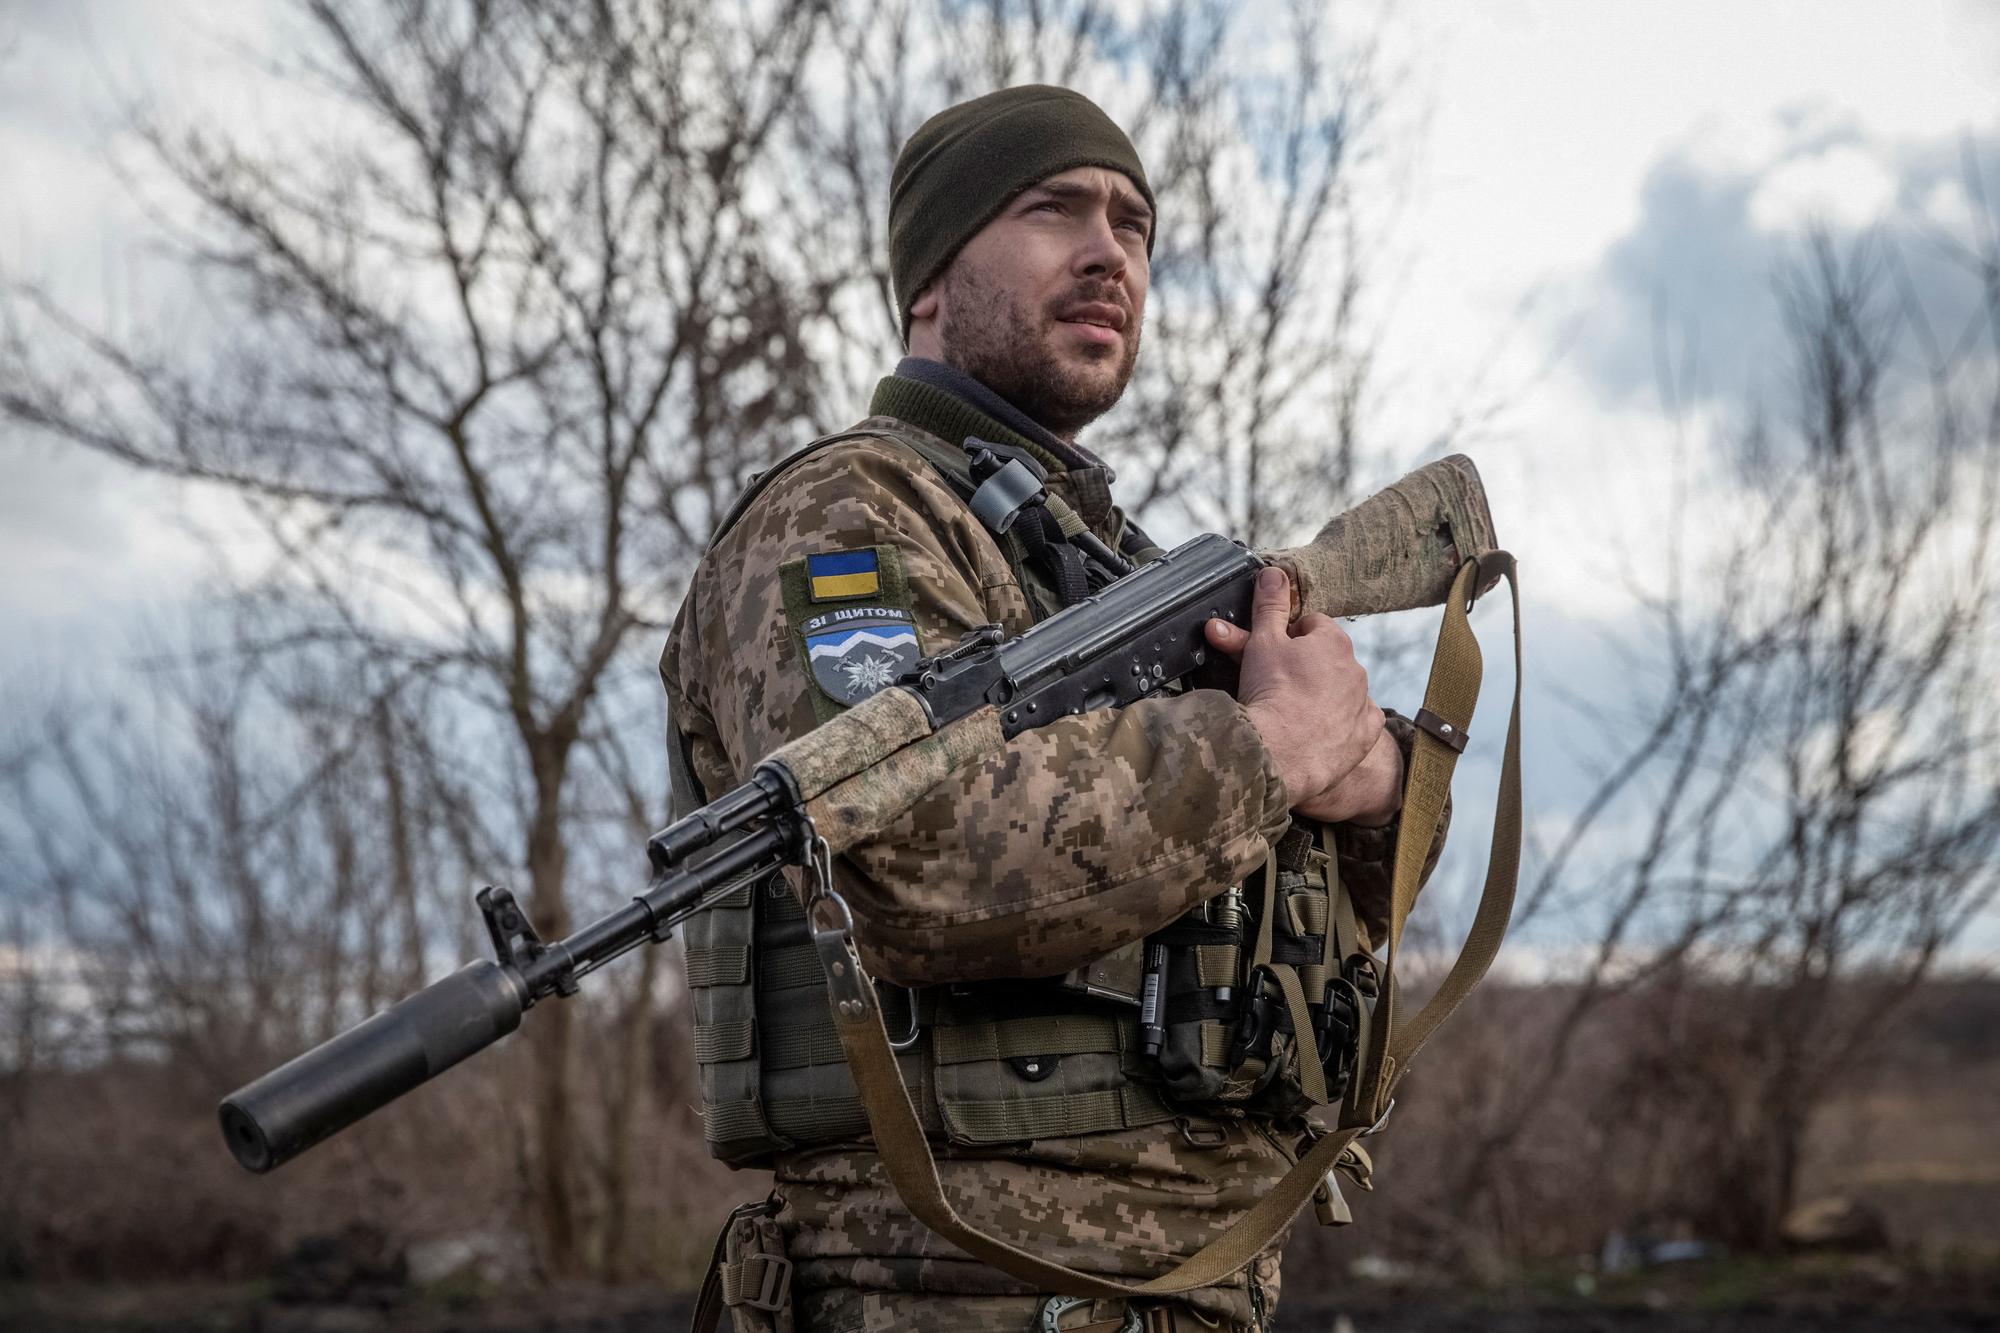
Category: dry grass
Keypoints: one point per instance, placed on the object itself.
(118, 1174)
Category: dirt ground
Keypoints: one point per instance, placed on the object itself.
(1958, 1305)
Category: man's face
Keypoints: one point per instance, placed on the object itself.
(1044, 304)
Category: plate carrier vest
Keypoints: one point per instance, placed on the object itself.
(1245, 977)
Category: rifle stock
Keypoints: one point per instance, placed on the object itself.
(1398, 549)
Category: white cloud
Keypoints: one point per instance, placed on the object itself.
(1950, 209)
(1735, 143)
(1845, 187)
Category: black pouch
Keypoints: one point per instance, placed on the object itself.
(1258, 1011)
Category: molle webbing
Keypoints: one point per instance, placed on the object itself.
(724, 1022)
(1015, 1038)
(774, 1038)
(806, 1089)
(720, 965)
(1060, 1116)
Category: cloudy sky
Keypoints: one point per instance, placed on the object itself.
(1586, 184)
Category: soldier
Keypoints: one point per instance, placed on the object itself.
(1016, 901)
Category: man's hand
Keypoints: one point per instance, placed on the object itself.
(1308, 699)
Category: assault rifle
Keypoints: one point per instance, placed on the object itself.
(1426, 540)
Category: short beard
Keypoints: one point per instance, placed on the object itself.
(987, 332)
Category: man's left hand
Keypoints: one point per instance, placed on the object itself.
(1308, 697)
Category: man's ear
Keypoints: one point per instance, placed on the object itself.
(922, 339)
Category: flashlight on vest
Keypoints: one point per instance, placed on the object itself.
(1152, 999)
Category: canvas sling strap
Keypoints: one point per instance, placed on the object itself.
(1449, 697)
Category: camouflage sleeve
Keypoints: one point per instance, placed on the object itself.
(1072, 840)
(1367, 856)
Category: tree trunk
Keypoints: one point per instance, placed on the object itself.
(402, 859)
(623, 1259)
(550, 1035)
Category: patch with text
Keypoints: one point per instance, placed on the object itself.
(857, 650)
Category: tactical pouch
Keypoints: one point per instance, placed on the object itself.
(772, 1073)
(1258, 1012)
(1013, 1062)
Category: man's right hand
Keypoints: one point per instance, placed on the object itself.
(1308, 698)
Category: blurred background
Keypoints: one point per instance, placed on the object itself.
(371, 374)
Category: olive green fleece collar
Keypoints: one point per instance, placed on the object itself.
(950, 417)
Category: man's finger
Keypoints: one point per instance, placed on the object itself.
(1271, 605)
(1226, 638)
(1324, 628)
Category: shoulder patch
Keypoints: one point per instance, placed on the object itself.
(850, 614)
(843, 575)
(853, 658)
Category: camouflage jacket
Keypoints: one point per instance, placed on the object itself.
(1074, 839)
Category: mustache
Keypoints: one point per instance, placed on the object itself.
(1110, 294)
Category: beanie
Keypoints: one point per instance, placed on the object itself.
(965, 163)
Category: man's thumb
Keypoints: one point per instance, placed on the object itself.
(1271, 605)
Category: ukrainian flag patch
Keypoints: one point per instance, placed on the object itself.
(839, 575)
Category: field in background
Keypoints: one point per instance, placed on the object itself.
(122, 1212)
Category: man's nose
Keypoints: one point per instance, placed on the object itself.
(1100, 255)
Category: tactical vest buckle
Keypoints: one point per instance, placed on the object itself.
(1337, 1035)
(914, 1028)
(1002, 497)
(1260, 1017)
(774, 1282)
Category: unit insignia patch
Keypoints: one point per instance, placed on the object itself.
(851, 618)
(859, 650)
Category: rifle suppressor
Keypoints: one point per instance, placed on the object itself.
(339, 1081)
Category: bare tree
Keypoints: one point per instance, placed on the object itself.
(231, 872)
(1817, 785)
(504, 320)
(500, 359)
(1249, 413)
(23, 1018)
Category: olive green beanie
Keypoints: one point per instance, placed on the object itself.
(963, 164)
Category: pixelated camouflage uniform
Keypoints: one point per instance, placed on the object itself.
(1076, 838)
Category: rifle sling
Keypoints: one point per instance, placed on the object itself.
(899, 1137)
